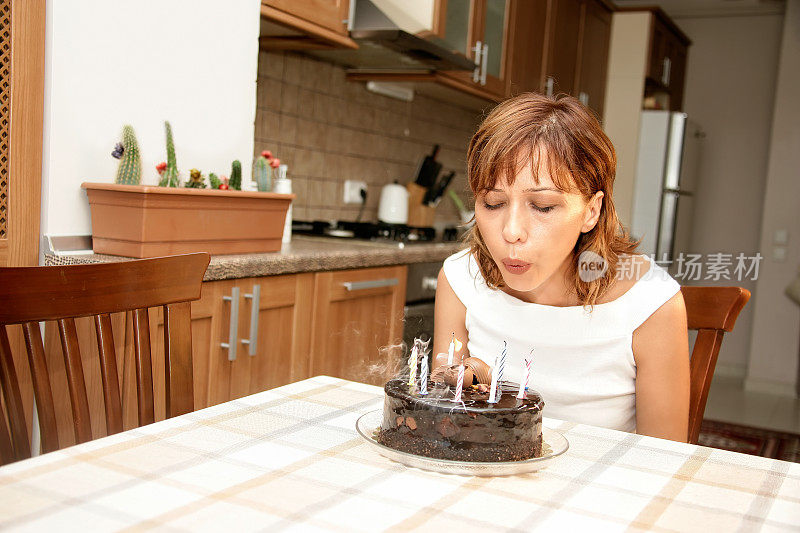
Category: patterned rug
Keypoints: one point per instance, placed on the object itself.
(747, 439)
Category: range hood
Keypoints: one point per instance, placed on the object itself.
(389, 42)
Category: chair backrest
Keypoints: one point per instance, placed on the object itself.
(711, 311)
(29, 295)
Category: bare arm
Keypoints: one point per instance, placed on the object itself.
(448, 318)
(661, 351)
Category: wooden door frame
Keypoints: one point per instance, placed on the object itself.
(21, 248)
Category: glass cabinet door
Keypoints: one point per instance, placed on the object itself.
(493, 35)
(457, 15)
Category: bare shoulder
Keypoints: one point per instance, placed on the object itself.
(664, 332)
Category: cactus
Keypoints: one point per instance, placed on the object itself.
(169, 178)
(196, 180)
(214, 180)
(235, 183)
(129, 171)
(263, 174)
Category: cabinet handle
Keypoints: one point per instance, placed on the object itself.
(370, 284)
(233, 328)
(476, 74)
(430, 283)
(484, 61)
(548, 86)
(255, 301)
(584, 98)
(667, 66)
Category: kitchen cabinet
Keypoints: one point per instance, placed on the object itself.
(358, 323)
(478, 29)
(667, 53)
(561, 51)
(592, 61)
(305, 24)
(250, 335)
(572, 39)
(298, 325)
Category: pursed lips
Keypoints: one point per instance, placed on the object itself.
(515, 266)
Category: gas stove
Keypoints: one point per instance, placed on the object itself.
(368, 231)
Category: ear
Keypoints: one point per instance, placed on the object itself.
(592, 212)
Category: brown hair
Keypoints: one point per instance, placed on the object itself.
(581, 159)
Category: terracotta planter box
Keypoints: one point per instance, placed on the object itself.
(149, 221)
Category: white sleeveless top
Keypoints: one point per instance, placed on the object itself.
(583, 363)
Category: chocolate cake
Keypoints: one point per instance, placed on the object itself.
(433, 425)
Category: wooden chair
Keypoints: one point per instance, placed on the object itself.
(711, 311)
(29, 295)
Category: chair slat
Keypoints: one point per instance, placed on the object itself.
(144, 368)
(13, 399)
(108, 373)
(42, 390)
(6, 447)
(178, 358)
(77, 384)
(704, 360)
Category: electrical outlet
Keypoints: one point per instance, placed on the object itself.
(352, 191)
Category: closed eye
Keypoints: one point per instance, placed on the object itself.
(544, 209)
(490, 207)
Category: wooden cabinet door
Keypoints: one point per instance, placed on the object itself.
(275, 319)
(562, 54)
(526, 46)
(590, 83)
(677, 76)
(358, 323)
(330, 14)
(658, 44)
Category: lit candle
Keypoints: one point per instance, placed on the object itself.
(423, 375)
(412, 365)
(526, 372)
(502, 365)
(493, 387)
(459, 383)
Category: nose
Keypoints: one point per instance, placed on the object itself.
(514, 225)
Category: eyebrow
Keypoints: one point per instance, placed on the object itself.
(533, 189)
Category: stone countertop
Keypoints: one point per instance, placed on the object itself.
(303, 254)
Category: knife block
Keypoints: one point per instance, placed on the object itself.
(419, 215)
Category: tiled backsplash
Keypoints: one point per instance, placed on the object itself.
(329, 130)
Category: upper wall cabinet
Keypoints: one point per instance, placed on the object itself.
(480, 30)
(305, 24)
(563, 48)
(666, 68)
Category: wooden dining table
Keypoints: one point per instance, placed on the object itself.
(290, 459)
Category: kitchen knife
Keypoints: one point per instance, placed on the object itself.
(435, 193)
(429, 170)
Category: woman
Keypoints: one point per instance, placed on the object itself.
(551, 273)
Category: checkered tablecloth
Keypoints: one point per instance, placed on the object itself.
(290, 459)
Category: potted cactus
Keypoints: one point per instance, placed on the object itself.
(134, 220)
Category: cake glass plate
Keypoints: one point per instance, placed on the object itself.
(553, 445)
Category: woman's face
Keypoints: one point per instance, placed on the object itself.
(531, 229)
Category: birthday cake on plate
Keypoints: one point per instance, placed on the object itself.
(450, 420)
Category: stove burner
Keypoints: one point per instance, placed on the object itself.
(365, 230)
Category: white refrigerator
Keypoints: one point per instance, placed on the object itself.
(666, 179)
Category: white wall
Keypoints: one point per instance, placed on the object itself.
(111, 63)
(730, 88)
(627, 61)
(776, 328)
